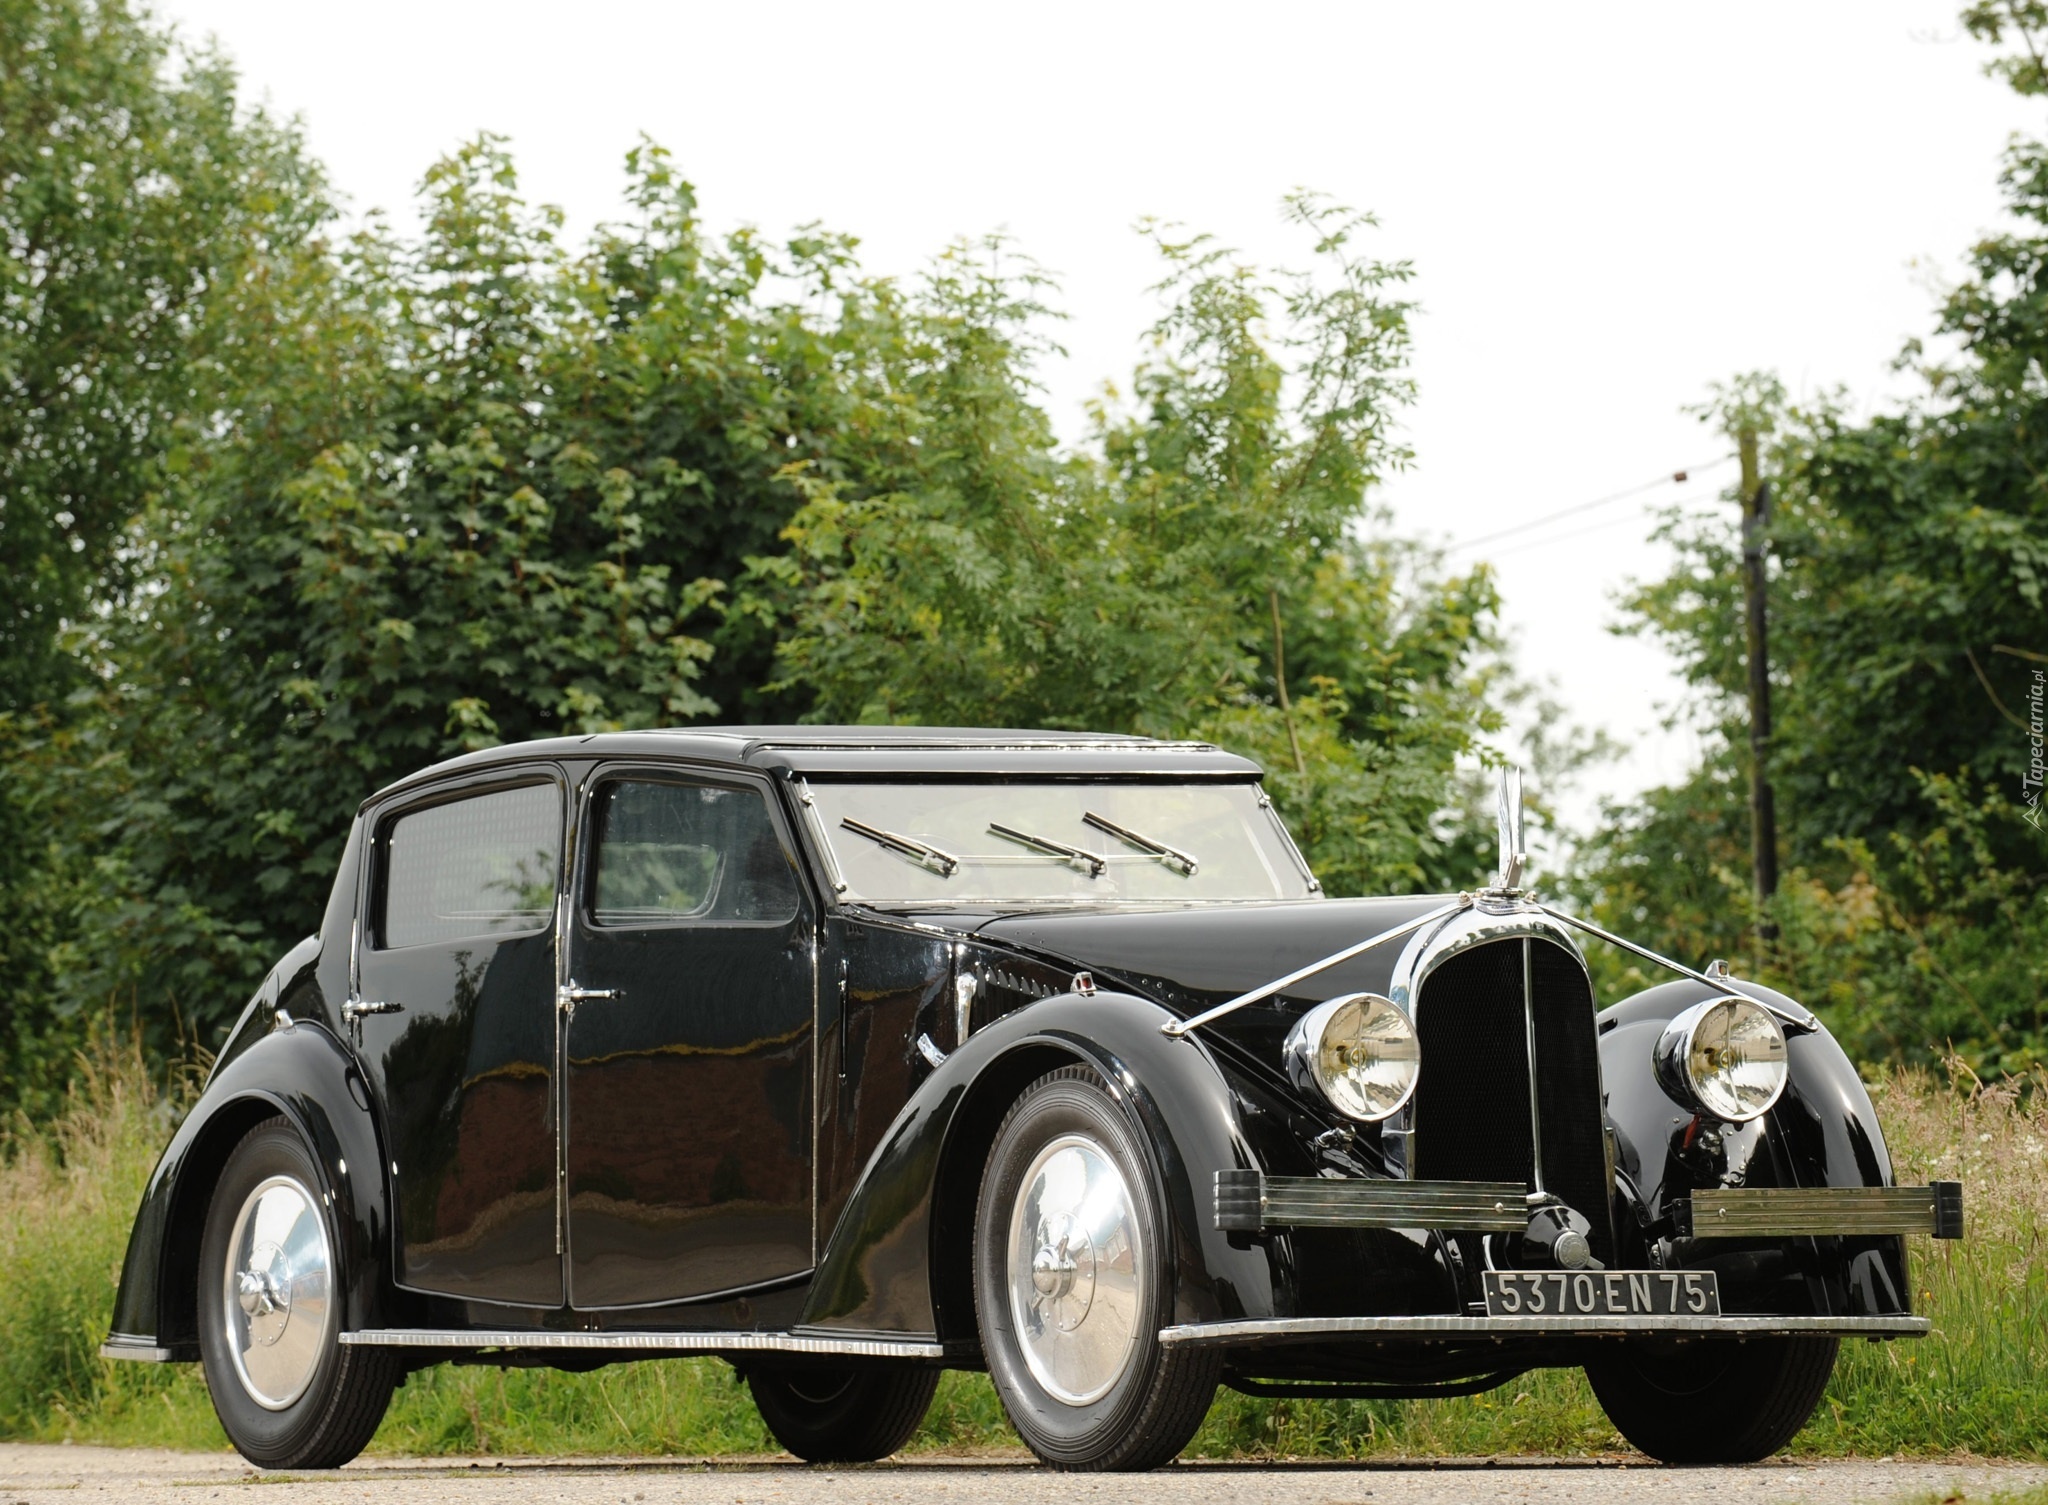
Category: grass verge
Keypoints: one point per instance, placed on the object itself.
(69, 1187)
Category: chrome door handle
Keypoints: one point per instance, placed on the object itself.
(354, 1009)
(571, 993)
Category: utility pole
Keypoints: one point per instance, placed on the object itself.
(1763, 810)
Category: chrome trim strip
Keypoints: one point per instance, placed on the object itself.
(559, 1094)
(1315, 884)
(1490, 918)
(808, 804)
(1758, 1211)
(1529, 1044)
(694, 1342)
(1318, 1329)
(1179, 1027)
(1249, 1201)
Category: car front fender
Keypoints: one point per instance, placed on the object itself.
(900, 1259)
(1822, 1132)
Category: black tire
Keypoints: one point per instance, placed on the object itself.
(1156, 1401)
(842, 1414)
(346, 1389)
(1713, 1402)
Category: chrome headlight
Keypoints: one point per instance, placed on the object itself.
(1359, 1051)
(1724, 1057)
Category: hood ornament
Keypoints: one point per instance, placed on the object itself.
(1513, 856)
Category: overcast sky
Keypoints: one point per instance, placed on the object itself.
(1608, 206)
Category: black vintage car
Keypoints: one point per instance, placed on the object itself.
(850, 1055)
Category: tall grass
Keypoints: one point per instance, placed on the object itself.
(68, 1188)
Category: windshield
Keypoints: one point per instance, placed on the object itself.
(1067, 843)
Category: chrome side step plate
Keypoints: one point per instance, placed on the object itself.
(1320, 1329)
(650, 1342)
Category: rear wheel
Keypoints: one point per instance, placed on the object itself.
(1713, 1402)
(1073, 1279)
(842, 1415)
(288, 1393)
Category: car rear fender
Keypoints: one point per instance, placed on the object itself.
(303, 1072)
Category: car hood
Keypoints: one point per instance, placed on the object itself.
(1191, 959)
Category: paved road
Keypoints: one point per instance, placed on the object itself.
(60, 1475)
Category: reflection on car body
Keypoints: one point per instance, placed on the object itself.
(855, 1054)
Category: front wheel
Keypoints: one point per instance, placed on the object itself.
(1713, 1402)
(842, 1415)
(287, 1391)
(1073, 1279)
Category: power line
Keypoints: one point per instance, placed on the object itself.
(1544, 543)
(1672, 478)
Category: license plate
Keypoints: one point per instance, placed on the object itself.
(1602, 1293)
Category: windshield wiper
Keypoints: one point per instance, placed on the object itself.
(1085, 858)
(1173, 857)
(945, 864)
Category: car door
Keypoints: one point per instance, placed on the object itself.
(689, 1051)
(455, 957)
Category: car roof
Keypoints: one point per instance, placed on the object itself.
(887, 752)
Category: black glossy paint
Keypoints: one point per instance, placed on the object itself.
(690, 1098)
(818, 1075)
(302, 1072)
(465, 1078)
(1822, 1132)
(906, 1217)
(884, 983)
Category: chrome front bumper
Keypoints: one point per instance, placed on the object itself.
(1247, 1201)
(1842, 1211)
(1251, 1201)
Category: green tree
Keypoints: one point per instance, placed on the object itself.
(473, 489)
(134, 193)
(965, 571)
(426, 494)
(140, 207)
(1909, 561)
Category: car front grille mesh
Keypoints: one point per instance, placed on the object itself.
(1568, 1091)
(1471, 1116)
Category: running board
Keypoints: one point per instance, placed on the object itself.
(1265, 1333)
(1843, 1211)
(677, 1343)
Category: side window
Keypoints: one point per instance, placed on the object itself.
(479, 866)
(667, 853)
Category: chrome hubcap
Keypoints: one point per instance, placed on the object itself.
(1077, 1272)
(277, 1310)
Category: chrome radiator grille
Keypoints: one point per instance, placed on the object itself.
(1476, 1016)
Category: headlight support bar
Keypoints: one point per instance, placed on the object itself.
(1178, 1028)
(1783, 1015)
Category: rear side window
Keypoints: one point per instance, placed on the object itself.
(668, 853)
(479, 866)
